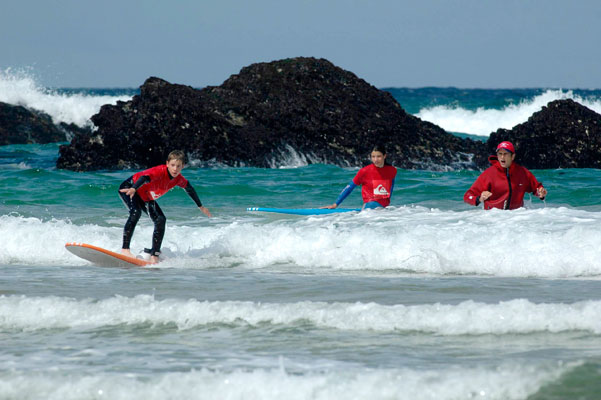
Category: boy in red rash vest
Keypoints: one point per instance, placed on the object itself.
(377, 180)
(140, 192)
(504, 183)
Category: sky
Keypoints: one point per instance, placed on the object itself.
(388, 43)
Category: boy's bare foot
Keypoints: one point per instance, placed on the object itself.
(127, 252)
(154, 260)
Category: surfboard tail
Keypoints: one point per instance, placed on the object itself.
(106, 258)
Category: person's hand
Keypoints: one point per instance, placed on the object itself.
(129, 191)
(205, 211)
(330, 207)
(484, 196)
(541, 192)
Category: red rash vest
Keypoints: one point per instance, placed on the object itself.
(160, 182)
(376, 183)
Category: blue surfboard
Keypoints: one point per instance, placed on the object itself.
(302, 211)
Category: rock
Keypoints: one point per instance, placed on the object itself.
(564, 134)
(300, 107)
(72, 129)
(19, 125)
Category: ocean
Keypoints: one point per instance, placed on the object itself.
(427, 299)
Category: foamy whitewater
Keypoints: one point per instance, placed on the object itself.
(20, 88)
(427, 299)
(483, 121)
(410, 240)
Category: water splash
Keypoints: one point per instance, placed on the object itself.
(483, 121)
(20, 87)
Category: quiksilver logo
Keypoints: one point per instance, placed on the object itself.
(380, 189)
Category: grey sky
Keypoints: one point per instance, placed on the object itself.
(463, 43)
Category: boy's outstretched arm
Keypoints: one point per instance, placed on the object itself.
(194, 196)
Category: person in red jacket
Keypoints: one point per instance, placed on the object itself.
(504, 183)
(140, 192)
(377, 180)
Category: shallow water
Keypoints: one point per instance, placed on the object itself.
(428, 299)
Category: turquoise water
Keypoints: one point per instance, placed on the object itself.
(428, 299)
(418, 99)
(30, 180)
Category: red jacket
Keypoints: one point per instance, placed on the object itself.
(496, 180)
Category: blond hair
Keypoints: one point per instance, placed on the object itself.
(177, 155)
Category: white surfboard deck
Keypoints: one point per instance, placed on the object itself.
(103, 257)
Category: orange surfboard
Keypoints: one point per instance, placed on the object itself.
(106, 258)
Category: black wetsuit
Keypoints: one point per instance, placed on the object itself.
(136, 205)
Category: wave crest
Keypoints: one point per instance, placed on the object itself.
(518, 316)
(483, 121)
(20, 88)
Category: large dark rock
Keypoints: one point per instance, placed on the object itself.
(564, 134)
(267, 113)
(19, 125)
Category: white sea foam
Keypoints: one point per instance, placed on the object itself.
(543, 242)
(20, 88)
(468, 318)
(483, 121)
(505, 382)
(22, 165)
(288, 157)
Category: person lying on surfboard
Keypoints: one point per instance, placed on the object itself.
(140, 192)
(377, 180)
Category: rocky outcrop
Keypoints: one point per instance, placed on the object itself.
(19, 125)
(564, 134)
(302, 106)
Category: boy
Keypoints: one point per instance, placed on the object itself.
(140, 192)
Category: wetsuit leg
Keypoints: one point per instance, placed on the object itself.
(159, 219)
(372, 204)
(135, 206)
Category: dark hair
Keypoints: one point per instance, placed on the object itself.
(382, 150)
(379, 148)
